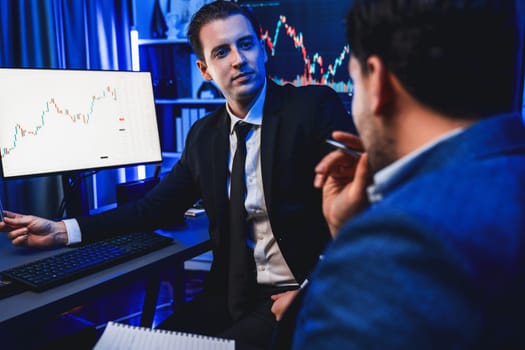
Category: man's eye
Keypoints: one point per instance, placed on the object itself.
(220, 53)
(246, 45)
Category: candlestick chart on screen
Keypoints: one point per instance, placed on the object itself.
(54, 120)
(305, 41)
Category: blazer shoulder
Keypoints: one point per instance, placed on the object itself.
(209, 122)
(307, 98)
(308, 90)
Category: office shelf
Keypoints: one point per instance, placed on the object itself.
(167, 41)
(197, 102)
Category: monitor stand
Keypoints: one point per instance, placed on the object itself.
(75, 195)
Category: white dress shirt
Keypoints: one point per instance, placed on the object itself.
(271, 266)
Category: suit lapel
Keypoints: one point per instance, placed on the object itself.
(219, 149)
(270, 128)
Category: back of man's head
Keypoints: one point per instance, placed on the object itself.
(458, 57)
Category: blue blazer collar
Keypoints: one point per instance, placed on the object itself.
(495, 135)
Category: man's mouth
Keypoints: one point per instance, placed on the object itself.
(242, 76)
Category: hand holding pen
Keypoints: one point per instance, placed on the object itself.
(344, 148)
(343, 176)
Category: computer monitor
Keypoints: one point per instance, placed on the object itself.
(56, 121)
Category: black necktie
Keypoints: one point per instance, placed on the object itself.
(242, 266)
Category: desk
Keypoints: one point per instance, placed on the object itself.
(20, 311)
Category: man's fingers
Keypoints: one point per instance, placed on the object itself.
(14, 234)
(361, 173)
(348, 139)
(319, 180)
(20, 240)
(336, 165)
(18, 220)
(328, 161)
(10, 214)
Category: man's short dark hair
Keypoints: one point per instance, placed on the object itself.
(456, 57)
(213, 11)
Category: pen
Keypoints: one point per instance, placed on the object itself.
(341, 146)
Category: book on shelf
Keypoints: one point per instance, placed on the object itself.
(183, 124)
(124, 336)
(186, 123)
(179, 134)
(194, 115)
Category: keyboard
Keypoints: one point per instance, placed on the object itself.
(58, 269)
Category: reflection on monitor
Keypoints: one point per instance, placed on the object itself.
(56, 121)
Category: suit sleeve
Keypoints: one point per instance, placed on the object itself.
(162, 207)
(384, 284)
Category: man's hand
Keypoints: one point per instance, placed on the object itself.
(343, 179)
(33, 231)
(281, 302)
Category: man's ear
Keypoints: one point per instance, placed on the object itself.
(379, 84)
(203, 68)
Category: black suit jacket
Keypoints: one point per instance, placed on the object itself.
(295, 124)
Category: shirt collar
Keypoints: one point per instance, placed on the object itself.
(387, 177)
(255, 114)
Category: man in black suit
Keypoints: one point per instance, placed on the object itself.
(287, 231)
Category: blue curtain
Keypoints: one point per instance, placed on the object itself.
(77, 34)
(521, 87)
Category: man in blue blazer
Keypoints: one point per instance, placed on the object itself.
(289, 126)
(429, 224)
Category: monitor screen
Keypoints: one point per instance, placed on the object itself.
(57, 121)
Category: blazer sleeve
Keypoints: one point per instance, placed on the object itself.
(161, 207)
(384, 283)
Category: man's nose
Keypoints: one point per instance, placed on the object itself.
(238, 58)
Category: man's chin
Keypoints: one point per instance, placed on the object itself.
(247, 92)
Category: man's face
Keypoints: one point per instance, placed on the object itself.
(360, 114)
(234, 58)
(372, 130)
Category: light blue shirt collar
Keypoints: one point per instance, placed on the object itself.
(390, 175)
